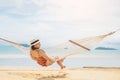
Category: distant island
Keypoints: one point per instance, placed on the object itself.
(104, 48)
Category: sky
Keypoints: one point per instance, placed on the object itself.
(57, 21)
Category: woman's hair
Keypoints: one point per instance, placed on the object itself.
(33, 47)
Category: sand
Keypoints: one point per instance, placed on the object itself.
(29, 73)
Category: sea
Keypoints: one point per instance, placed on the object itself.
(10, 56)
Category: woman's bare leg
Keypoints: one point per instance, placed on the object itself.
(50, 62)
(58, 60)
(60, 63)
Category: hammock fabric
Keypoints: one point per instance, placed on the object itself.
(72, 47)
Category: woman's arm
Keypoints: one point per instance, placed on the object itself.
(33, 55)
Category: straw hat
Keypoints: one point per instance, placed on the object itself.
(34, 42)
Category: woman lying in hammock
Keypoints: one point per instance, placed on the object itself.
(41, 58)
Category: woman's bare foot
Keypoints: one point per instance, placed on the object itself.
(63, 67)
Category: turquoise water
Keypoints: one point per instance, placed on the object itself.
(10, 56)
(9, 50)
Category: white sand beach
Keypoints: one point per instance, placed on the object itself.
(24, 73)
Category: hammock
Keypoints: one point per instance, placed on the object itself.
(72, 47)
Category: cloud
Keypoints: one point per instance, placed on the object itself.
(70, 10)
(56, 21)
(20, 7)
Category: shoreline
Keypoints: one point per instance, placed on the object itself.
(85, 73)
